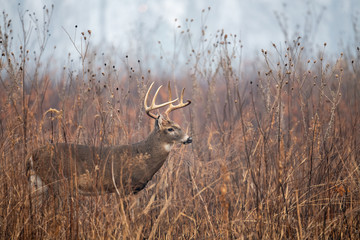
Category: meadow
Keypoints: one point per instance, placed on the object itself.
(275, 151)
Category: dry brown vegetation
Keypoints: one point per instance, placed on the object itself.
(275, 152)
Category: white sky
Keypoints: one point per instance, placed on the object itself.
(135, 26)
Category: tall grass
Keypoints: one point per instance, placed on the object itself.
(275, 152)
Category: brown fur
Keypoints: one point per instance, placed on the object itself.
(95, 170)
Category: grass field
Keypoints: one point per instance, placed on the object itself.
(275, 152)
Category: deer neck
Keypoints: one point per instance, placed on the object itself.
(156, 150)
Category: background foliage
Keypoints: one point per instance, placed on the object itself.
(275, 150)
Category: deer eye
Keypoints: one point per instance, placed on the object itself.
(170, 129)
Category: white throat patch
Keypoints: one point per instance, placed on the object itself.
(168, 147)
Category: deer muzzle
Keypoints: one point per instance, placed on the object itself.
(188, 140)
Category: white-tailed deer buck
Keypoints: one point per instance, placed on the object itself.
(123, 169)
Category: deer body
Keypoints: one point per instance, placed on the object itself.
(97, 170)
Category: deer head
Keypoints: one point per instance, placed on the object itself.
(169, 132)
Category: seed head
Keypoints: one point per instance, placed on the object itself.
(223, 190)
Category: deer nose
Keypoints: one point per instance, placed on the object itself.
(188, 140)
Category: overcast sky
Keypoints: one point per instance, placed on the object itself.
(135, 26)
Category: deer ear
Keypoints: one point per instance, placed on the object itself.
(160, 122)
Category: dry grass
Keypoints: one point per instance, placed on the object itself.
(275, 152)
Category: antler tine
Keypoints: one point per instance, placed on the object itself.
(153, 105)
(180, 105)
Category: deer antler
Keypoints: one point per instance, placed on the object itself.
(153, 106)
(174, 107)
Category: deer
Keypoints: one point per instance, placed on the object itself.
(124, 169)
